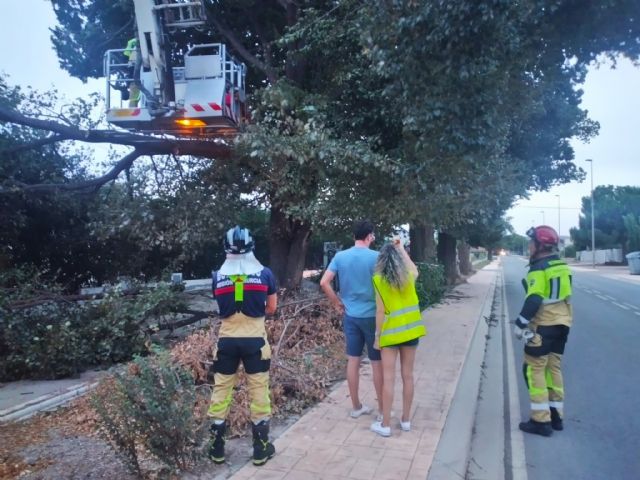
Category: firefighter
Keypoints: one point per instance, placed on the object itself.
(131, 52)
(245, 291)
(544, 322)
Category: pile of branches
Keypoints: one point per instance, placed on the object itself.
(307, 357)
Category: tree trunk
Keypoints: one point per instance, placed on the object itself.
(447, 256)
(423, 246)
(289, 241)
(490, 254)
(464, 251)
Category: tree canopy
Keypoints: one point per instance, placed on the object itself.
(430, 112)
(616, 215)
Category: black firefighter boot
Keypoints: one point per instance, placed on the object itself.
(216, 444)
(538, 428)
(263, 449)
(556, 419)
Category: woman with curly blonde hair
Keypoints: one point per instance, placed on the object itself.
(399, 325)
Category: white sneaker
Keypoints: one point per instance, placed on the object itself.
(380, 430)
(405, 426)
(363, 410)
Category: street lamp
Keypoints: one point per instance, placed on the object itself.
(543, 220)
(593, 225)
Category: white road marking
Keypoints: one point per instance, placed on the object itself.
(518, 455)
(610, 298)
(635, 307)
(620, 305)
(601, 297)
(637, 313)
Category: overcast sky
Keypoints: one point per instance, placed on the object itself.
(612, 97)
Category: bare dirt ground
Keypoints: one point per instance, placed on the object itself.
(64, 445)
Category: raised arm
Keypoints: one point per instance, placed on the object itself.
(411, 267)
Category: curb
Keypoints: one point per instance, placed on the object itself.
(46, 402)
(453, 450)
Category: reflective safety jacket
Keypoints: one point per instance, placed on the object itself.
(403, 320)
(548, 287)
(130, 49)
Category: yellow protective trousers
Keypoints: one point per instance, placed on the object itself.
(546, 388)
(543, 371)
(241, 339)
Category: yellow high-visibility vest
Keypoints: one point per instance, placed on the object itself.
(131, 47)
(403, 319)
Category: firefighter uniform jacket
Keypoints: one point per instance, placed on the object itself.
(548, 287)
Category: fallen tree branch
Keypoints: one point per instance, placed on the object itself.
(143, 145)
(53, 138)
(150, 144)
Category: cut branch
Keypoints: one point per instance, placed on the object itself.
(151, 145)
(35, 144)
(92, 184)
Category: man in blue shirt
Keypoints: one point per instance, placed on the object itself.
(357, 302)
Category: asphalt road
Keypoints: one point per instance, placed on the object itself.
(601, 439)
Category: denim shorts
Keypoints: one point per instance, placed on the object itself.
(357, 333)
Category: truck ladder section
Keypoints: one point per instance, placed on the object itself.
(181, 14)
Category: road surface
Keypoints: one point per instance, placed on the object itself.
(601, 439)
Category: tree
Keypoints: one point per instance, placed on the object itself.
(278, 41)
(632, 225)
(611, 206)
(515, 243)
(453, 109)
(488, 84)
(162, 216)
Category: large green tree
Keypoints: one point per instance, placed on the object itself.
(488, 84)
(611, 206)
(432, 112)
(317, 125)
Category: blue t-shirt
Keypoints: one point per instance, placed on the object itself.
(253, 295)
(355, 267)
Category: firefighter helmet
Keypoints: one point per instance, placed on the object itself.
(238, 240)
(543, 235)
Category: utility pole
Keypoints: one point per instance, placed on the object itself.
(593, 224)
(543, 220)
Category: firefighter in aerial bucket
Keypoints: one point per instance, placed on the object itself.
(245, 291)
(133, 89)
(544, 322)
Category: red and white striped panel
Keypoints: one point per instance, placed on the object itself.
(203, 109)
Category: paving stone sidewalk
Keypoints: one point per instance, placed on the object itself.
(327, 444)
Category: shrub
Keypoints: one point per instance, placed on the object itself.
(45, 335)
(430, 285)
(152, 408)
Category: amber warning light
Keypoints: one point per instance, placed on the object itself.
(187, 122)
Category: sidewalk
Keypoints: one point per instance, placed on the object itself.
(23, 399)
(325, 443)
